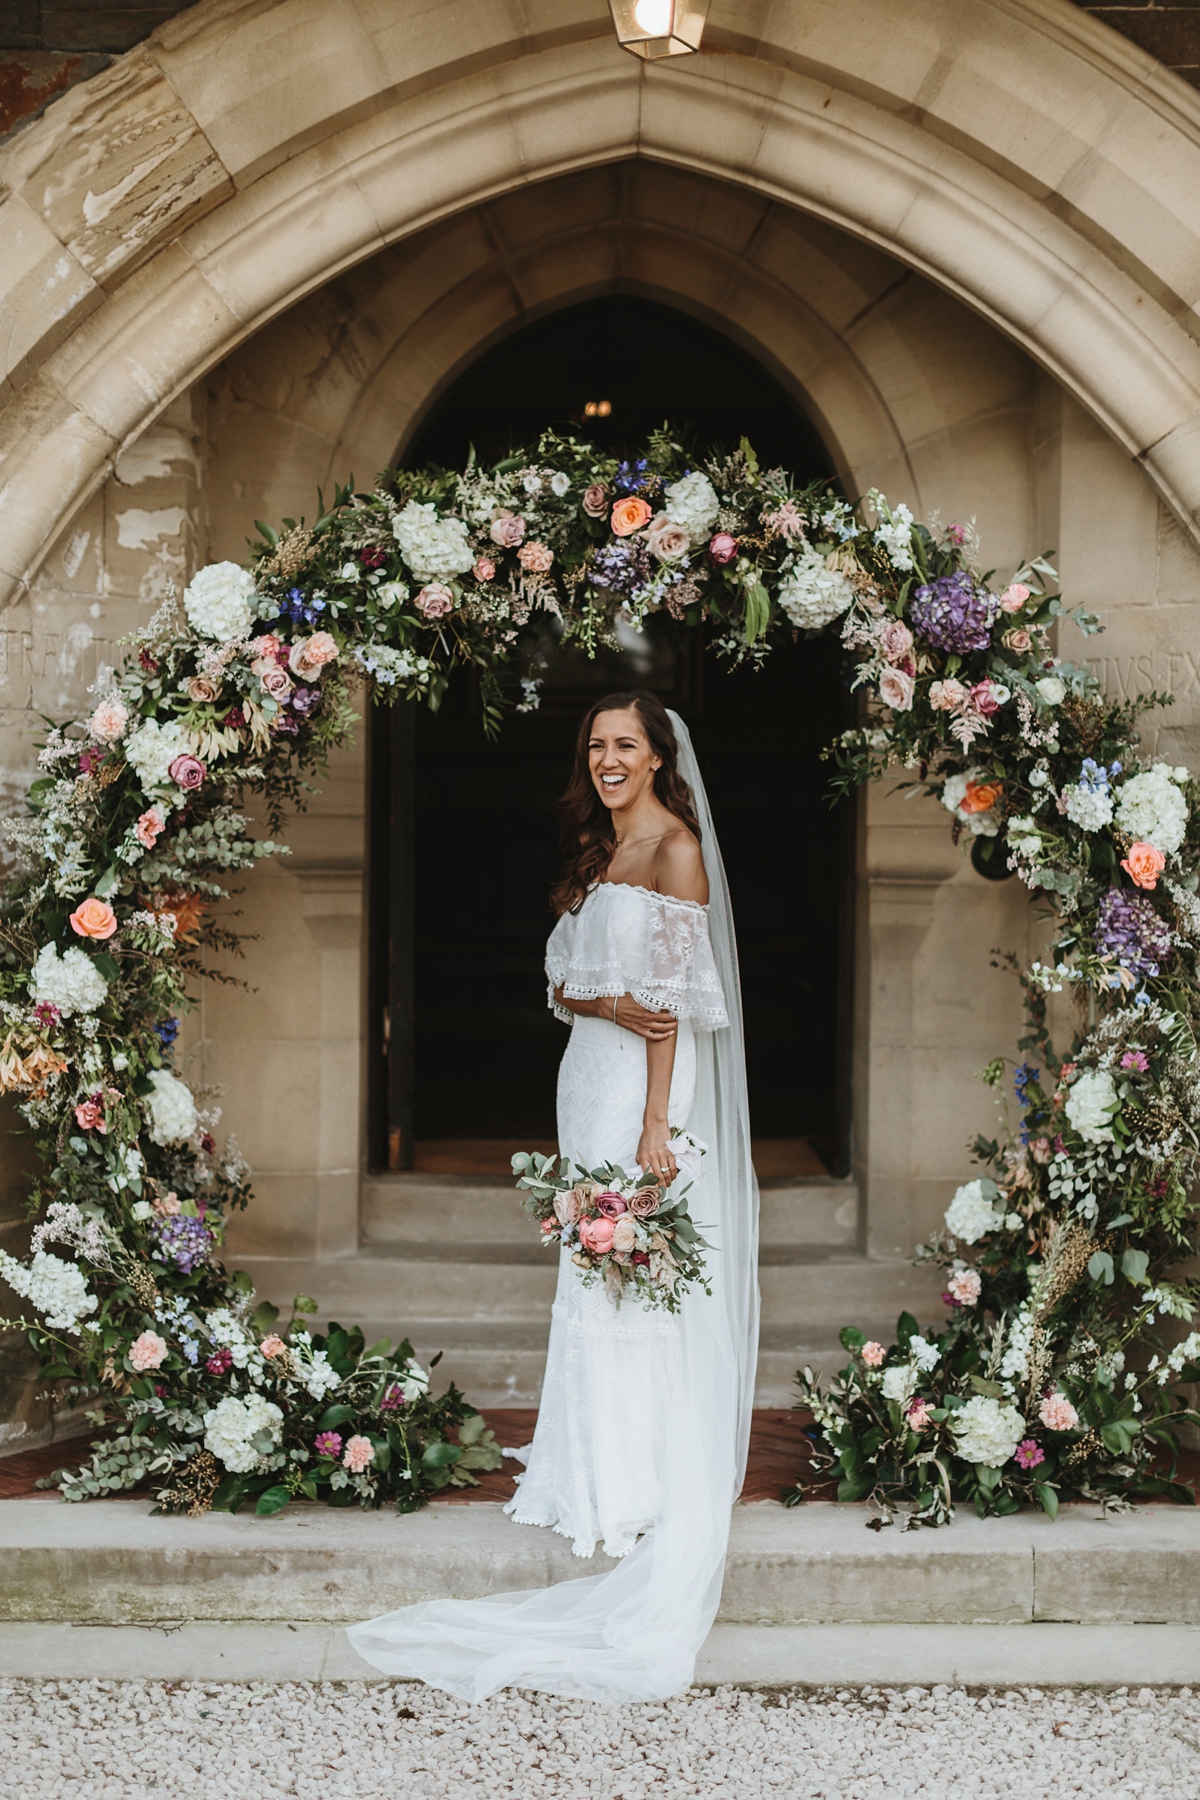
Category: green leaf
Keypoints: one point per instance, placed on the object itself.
(440, 1454)
(1118, 1435)
(263, 1318)
(106, 883)
(748, 452)
(906, 1327)
(304, 1303)
(854, 1490)
(472, 1429)
(1047, 1499)
(107, 965)
(1100, 1267)
(851, 1338)
(308, 1486)
(56, 1372)
(272, 1501)
(992, 1389)
(758, 611)
(335, 1415)
(1134, 1264)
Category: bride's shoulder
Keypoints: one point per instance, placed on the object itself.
(679, 867)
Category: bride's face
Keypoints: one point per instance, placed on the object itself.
(621, 759)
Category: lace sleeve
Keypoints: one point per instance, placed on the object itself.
(630, 940)
(680, 974)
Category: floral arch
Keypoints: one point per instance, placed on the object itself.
(1060, 1254)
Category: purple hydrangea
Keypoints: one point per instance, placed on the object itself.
(182, 1240)
(1128, 927)
(624, 567)
(951, 613)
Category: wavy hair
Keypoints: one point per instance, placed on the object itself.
(585, 823)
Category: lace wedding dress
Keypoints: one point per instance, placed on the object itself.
(644, 1419)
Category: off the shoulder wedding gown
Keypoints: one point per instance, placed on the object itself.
(644, 1419)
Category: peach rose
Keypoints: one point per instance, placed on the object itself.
(94, 919)
(536, 558)
(1144, 865)
(1014, 597)
(272, 1345)
(308, 658)
(202, 690)
(596, 1235)
(109, 720)
(434, 601)
(595, 500)
(625, 1235)
(507, 530)
(148, 1352)
(484, 569)
(268, 645)
(981, 796)
(629, 515)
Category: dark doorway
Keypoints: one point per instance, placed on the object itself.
(464, 837)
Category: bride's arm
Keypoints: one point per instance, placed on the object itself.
(628, 1012)
(654, 1146)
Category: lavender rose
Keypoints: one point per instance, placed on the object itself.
(187, 772)
(667, 540)
(507, 530)
(610, 1206)
(645, 1202)
(896, 690)
(595, 501)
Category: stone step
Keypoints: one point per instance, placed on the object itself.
(111, 1562)
(402, 1209)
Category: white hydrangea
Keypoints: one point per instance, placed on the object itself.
(220, 601)
(1153, 810)
(170, 1108)
(924, 1354)
(692, 502)
(434, 549)
(954, 792)
(971, 1215)
(151, 750)
(1089, 808)
(987, 1431)
(231, 1426)
(1088, 1101)
(811, 594)
(71, 982)
(56, 1289)
(899, 1383)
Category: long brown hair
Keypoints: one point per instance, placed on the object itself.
(585, 823)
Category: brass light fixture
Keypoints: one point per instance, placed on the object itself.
(597, 409)
(653, 28)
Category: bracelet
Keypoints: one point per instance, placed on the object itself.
(616, 997)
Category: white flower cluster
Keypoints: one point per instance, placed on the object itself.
(1186, 1352)
(56, 1289)
(151, 750)
(894, 531)
(1152, 808)
(954, 792)
(389, 666)
(231, 1427)
(924, 1354)
(987, 1431)
(811, 594)
(971, 1215)
(312, 1368)
(434, 549)
(1015, 1360)
(220, 601)
(1088, 807)
(692, 503)
(71, 982)
(1089, 1104)
(228, 1333)
(899, 1382)
(170, 1108)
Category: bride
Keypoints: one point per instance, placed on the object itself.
(644, 1420)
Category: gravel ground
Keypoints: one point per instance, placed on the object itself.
(123, 1740)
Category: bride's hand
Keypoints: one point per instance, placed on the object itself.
(656, 1026)
(654, 1153)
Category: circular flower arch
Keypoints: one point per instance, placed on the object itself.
(1060, 1256)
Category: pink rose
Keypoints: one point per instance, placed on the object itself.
(896, 690)
(359, 1454)
(310, 656)
(484, 569)
(148, 1352)
(895, 640)
(1014, 597)
(507, 530)
(983, 698)
(1018, 641)
(722, 548)
(611, 1205)
(1057, 1413)
(946, 696)
(873, 1354)
(568, 1207)
(272, 1346)
(434, 601)
(109, 720)
(645, 1202)
(272, 679)
(89, 1115)
(536, 558)
(596, 1235)
(187, 772)
(667, 540)
(595, 500)
(965, 1287)
(549, 1227)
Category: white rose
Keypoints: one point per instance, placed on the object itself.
(971, 1215)
(1088, 1100)
(141, 1210)
(220, 601)
(811, 594)
(71, 982)
(435, 549)
(1051, 690)
(899, 1383)
(559, 483)
(986, 1431)
(692, 502)
(170, 1109)
(389, 592)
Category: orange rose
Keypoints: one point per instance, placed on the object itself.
(630, 515)
(94, 919)
(1144, 865)
(981, 796)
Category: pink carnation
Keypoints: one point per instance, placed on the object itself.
(535, 558)
(873, 1354)
(360, 1452)
(964, 1287)
(945, 696)
(272, 1346)
(148, 827)
(1057, 1413)
(109, 720)
(148, 1351)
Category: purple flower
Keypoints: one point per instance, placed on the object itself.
(393, 1398)
(623, 567)
(328, 1443)
(182, 1240)
(285, 726)
(1129, 928)
(305, 701)
(1029, 1453)
(951, 613)
(1136, 1059)
(166, 1031)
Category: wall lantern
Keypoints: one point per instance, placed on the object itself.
(651, 28)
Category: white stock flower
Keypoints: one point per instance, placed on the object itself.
(1088, 1101)
(1015, 1361)
(810, 594)
(151, 750)
(71, 982)
(899, 1383)
(416, 1382)
(56, 1289)
(170, 1108)
(1153, 810)
(317, 1376)
(970, 1215)
(987, 1431)
(1088, 808)
(894, 531)
(231, 1426)
(219, 601)
(434, 549)
(924, 1354)
(228, 1333)
(692, 502)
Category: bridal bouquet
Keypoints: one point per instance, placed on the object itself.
(625, 1231)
